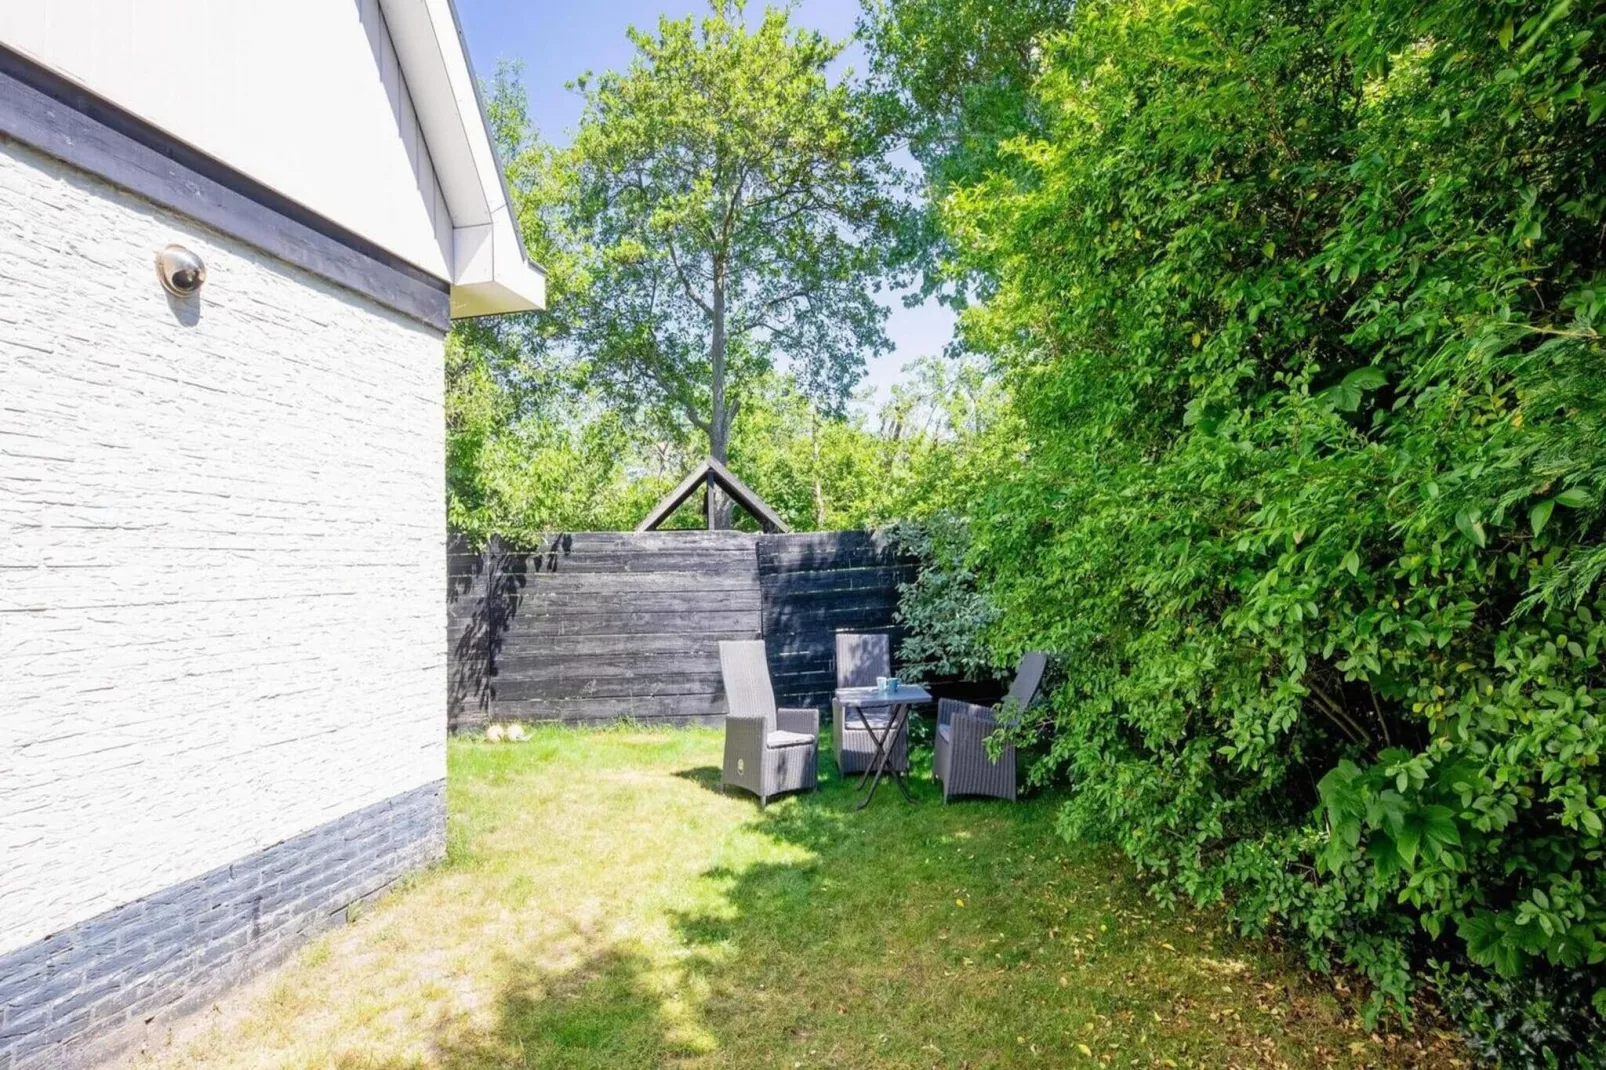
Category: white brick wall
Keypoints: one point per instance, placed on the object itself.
(221, 552)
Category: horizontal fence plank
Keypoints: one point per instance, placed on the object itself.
(608, 709)
(645, 622)
(836, 618)
(526, 644)
(559, 584)
(638, 542)
(849, 581)
(651, 722)
(558, 602)
(803, 561)
(544, 668)
(864, 596)
(696, 561)
(523, 687)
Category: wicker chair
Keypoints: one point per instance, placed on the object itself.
(767, 751)
(859, 660)
(960, 759)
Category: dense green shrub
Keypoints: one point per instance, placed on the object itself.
(945, 613)
(1534, 1020)
(1299, 306)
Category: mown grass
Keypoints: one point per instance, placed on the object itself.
(603, 905)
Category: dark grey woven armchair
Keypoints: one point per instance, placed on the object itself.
(767, 751)
(960, 759)
(859, 660)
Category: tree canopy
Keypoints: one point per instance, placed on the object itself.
(726, 205)
(566, 420)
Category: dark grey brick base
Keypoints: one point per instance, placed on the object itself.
(84, 994)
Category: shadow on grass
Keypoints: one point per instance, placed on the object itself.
(601, 1014)
(704, 776)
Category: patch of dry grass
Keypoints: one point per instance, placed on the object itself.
(604, 906)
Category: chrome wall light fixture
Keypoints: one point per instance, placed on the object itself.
(180, 270)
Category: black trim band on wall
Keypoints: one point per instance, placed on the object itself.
(45, 111)
(104, 985)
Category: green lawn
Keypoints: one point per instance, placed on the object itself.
(603, 905)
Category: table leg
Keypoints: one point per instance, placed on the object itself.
(900, 723)
(874, 758)
(901, 776)
(878, 763)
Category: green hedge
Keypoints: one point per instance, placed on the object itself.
(1299, 305)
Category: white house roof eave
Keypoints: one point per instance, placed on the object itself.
(491, 272)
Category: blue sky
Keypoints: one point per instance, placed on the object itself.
(557, 41)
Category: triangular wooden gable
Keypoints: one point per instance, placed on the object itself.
(712, 471)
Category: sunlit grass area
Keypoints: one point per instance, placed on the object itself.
(603, 905)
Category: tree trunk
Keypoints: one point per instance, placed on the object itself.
(719, 506)
(819, 491)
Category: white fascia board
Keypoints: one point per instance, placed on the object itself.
(491, 273)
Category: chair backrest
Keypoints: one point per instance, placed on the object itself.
(747, 680)
(1028, 678)
(860, 658)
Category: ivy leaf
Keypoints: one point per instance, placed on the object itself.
(1440, 830)
(1343, 397)
(1366, 378)
(1471, 526)
(1575, 498)
(1487, 944)
(1407, 841)
(1539, 515)
(1383, 855)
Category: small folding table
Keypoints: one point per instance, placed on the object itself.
(883, 728)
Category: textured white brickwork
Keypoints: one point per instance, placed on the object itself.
(221, 552)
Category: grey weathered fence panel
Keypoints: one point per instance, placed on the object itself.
(814, 586)
(603, 625)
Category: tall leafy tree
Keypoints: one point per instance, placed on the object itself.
(729, 198)
(954, 81)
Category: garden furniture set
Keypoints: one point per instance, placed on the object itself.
(771, 750)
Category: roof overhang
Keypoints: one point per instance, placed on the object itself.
(491, 272)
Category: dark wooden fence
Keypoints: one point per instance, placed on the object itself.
(814, 586)
(603, 625)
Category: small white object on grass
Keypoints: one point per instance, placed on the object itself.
(495, 734)
(516, 733)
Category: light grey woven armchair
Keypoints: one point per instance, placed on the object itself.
(767, 751)
(860, 658)
(960, 759)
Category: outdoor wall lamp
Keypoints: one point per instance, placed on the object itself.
(180, 270)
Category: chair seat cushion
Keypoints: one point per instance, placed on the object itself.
(946, 731)
(781, 738)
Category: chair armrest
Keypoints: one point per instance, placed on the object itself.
(745, 734)
(798, 719)
(973, 724)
